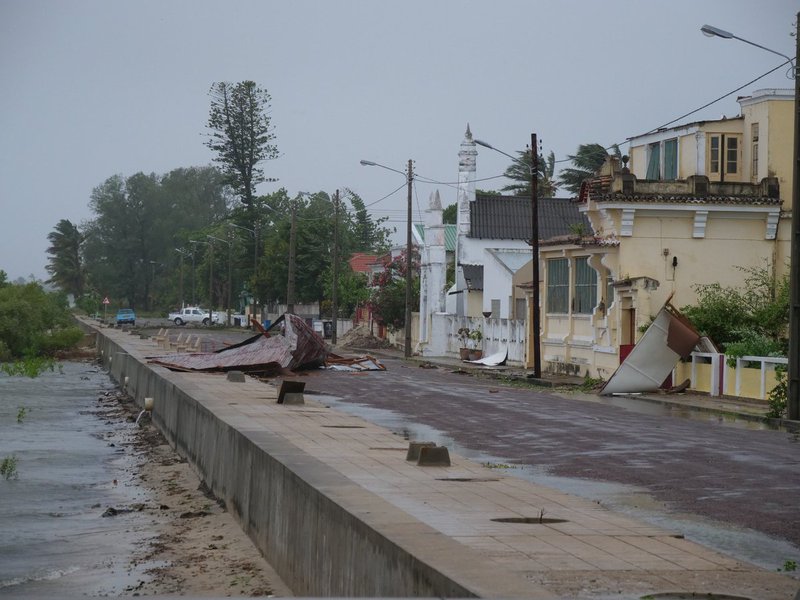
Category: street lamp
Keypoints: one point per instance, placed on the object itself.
(183, 253)
(255, 262)
(793, 396)
(711, 31)
(153, 264)
(409, 175)
(210, 279)
(228, 303)
(534, 310)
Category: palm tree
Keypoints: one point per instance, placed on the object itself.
(519, 171)
(65, 264)
(587, 160)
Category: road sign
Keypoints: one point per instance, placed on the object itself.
(106, 300)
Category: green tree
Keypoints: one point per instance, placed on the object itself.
(65, 263)
(388, 298)
(586, 161)
(367, 235)
(450, 214)
(139, 221)
(519, 172)
(241, 134)
(33, 323)
(747, 320)
(314, 244)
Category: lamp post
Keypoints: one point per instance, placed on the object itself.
(335, 291)
(793, 396)
(153, 264)
(182, 254)
(409, 174)
(534, 309)
(210, 279)
(255, 263)
(228, 302)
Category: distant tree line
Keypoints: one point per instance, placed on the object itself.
(203, 234)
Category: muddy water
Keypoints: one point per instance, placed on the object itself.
(73, 462)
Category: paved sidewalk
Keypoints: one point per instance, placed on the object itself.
(473, 521)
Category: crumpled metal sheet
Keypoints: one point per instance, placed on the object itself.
(288, 344)
(359, 363)
(668, 338)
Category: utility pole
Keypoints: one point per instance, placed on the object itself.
(211, 285)
(410, 181)
(793, 382)
(535, 325)
(230, 259)
(335, 294)
(292, 241)
(255, 273)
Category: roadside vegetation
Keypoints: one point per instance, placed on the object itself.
(34, 326)
(751, 320)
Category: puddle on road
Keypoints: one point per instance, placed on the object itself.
(743, 544)
(646, 407)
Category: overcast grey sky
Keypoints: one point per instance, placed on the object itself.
(96, 88)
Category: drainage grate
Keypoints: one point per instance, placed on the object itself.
(692, 596)
(529, 520)
(467, 479)
(344, 426)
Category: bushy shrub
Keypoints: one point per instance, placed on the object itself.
(748, 315)
(751, 343)
(34, 322)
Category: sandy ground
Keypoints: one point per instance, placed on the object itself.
(198, 548)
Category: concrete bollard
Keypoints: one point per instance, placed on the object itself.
(236, 376)
(438, 456)
(415, 447)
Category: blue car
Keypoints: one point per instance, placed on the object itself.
(126, 315)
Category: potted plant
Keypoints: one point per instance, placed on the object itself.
(475, 351)
(464, 339)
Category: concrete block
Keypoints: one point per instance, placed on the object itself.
(437, 456)
(415, 447)
(291, 388)
(236, 376)
(293, 398)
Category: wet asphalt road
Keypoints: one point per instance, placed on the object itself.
(746, 477)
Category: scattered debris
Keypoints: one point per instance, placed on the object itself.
(361, 337)
(335, 362)
(494, 360)
(288, 344)
(669, 338)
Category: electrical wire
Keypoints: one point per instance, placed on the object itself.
(667, 124)
(706, 105)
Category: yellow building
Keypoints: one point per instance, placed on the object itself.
(699, 202)
(747, 148)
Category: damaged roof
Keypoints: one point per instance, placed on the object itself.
(288, 344)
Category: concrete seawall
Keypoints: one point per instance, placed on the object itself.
(333, 505)
(324, 535)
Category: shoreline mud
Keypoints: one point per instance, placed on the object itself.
(197, 547)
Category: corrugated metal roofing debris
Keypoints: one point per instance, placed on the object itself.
(288, 344)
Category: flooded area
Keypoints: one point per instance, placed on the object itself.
(744, 544)
(66, 466)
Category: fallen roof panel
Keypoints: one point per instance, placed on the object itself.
(288, 344)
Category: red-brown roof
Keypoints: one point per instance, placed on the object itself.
(360, 262)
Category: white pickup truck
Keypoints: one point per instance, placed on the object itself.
(194, 314)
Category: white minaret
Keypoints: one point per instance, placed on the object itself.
(466, 195)
(434, 275)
